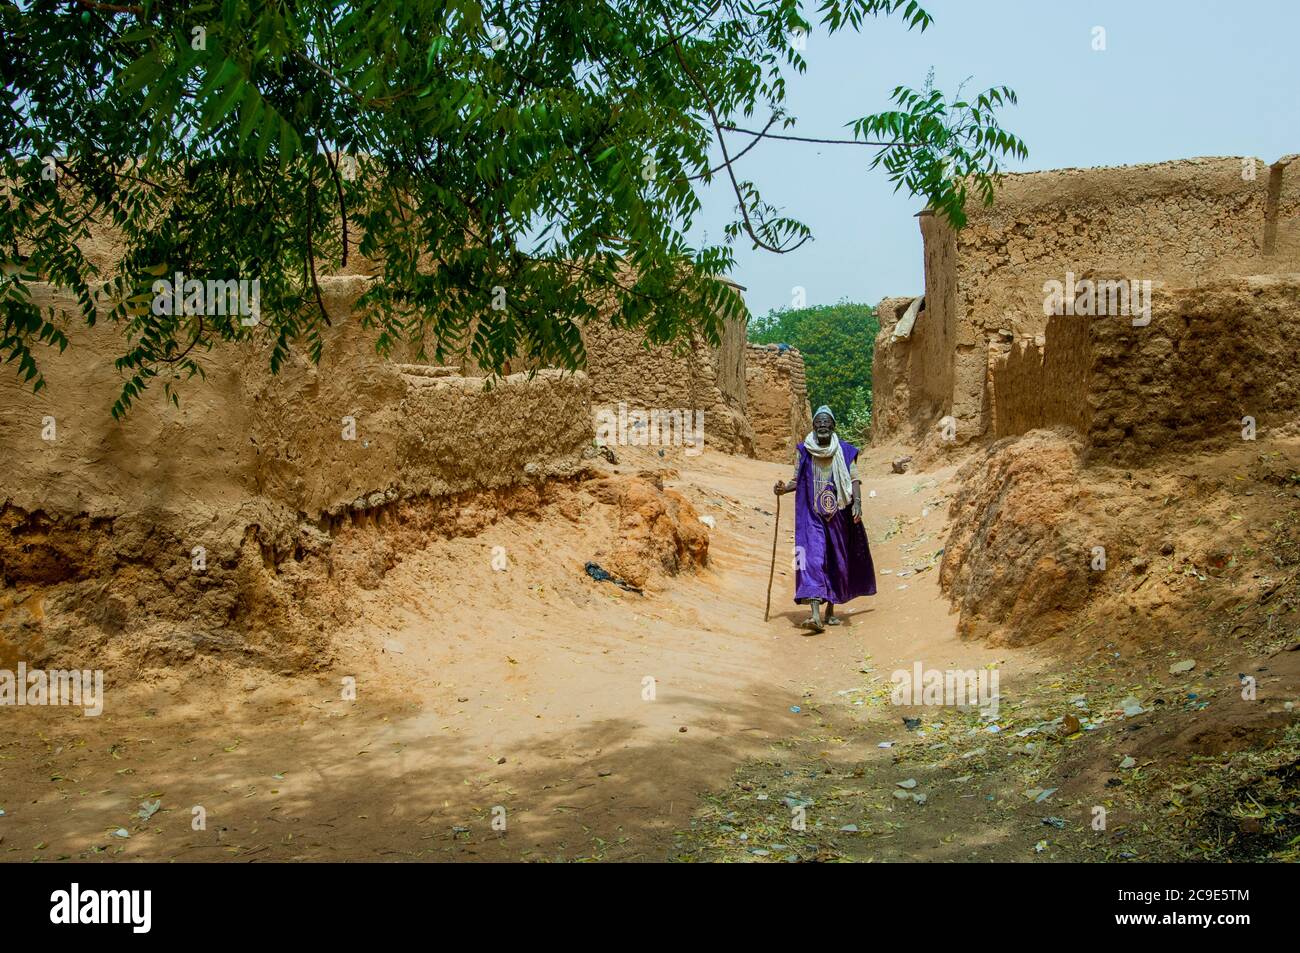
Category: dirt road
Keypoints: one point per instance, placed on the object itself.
(586, 720)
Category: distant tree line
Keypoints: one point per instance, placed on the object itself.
(837, 342)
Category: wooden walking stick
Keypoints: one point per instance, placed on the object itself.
(776, 531)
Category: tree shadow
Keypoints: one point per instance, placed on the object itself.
(281, 781)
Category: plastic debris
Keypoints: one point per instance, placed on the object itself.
(600, 575)
(1130, 706)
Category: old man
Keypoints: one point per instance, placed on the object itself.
(832, 558)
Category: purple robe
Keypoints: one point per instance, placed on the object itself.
(836, 558)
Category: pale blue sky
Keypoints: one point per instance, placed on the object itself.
(1179, 78)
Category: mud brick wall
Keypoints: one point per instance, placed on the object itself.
(1212, 355)
(244, 439)
(899, 376)
(777, 400)
(622, 369)
(1044, 385)
(1179, 225)
(619, 368)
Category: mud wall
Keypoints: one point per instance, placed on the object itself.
(901, 375)
(1110, 429)
(1179, 225)
(1043, 385)
(221, 526)
(243, 435)
(777, 405)
(620, 368)
(692, 377)
(942, 347)
(1212, 355)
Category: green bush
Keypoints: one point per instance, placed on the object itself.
(837, 342)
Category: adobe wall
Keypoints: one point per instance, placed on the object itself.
(619, 368)
(941, 345)
(237, 524)
(1043, 386)
(1212, 355)
(693, 377)
(244, 439)
(905, 378)
(1180, 225)
(777, 405)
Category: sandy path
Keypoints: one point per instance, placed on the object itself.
(523, 690)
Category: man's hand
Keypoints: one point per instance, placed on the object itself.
(782, 487)
(857, 502)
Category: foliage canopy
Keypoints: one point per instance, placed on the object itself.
(517, 163)
(837, 342)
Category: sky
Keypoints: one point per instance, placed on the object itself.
(1178, 78)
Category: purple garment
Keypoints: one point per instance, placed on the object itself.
(837, 559)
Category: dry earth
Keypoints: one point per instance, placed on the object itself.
(523, 693)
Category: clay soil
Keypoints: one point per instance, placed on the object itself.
(670, 725)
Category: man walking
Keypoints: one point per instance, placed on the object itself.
(832, 558)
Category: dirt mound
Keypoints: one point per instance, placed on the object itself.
(659, 532)
(1017, 560)
(1199, 549)
(85, 591)
(81, 590)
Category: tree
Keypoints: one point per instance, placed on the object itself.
(837, 342)
(519, 164)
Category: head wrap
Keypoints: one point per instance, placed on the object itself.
(824, 409)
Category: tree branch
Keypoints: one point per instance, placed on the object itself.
(197, 335)
(111, 7)
(829, 142)
(343, 209)
(311, 248)
(758, 138)
(731, 174)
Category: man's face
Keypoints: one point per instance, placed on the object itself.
(823, 427)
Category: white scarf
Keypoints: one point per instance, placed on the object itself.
(839, 469)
